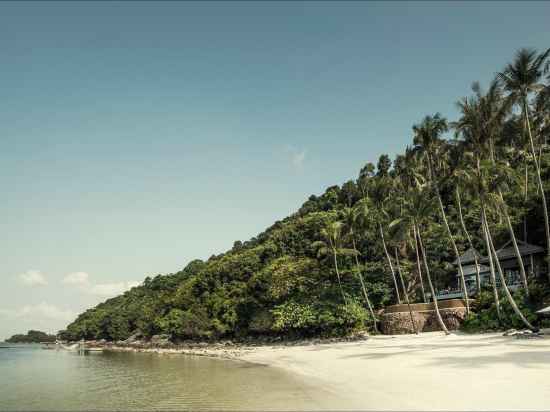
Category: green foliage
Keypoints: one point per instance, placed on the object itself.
(485, 318)
(319, 318)
(301, 276)
(32, 336)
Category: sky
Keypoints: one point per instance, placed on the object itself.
(135, 137)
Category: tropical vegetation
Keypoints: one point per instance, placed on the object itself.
(388, 236)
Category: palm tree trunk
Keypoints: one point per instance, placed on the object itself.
(415, 328)
(418, 266)
(338, 276)
(515, 243)
(363, 282)
(541, 186)
(389, 263)
(453, 243)
(503, 281)
(491, 262)
(526, 193)
(478, 276)
(434, 297)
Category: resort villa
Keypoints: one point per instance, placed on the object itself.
(532, 256)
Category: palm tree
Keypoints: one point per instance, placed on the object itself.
(331, 244)
(351, 218)
(478, 180)
(418, 207)
(521, 78)
(502, 278)
(456, 162)
(415, 327)
(427, 141)
(379, 195)
(482, 119)
(432, 290)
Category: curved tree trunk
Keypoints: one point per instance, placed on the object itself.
(360, 275)
(415, 328)
(491, 262)
(476, 262)
(541, 186)
(453, 243)
(434, 297)
(338, 276)
(389, 263)
(515, 243)
(525, 198)
(418, 267)
(504, 286)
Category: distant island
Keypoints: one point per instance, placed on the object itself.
(32, 336)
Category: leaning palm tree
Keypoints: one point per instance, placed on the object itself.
(456, 162)
(331, 245)
(418, 208)
(503, 279)
(415, 327)
(374, 208)
(351, 218)
(487, 179)
(482, 119)
(521, 79)
(427, 140)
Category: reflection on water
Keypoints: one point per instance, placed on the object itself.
(36, 379)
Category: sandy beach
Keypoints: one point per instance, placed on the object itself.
(426, 372)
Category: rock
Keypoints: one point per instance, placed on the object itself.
(159, 340)
(137, 335)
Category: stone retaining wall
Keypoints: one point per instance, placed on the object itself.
(397, 322)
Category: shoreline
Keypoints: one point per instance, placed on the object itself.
(429, 371)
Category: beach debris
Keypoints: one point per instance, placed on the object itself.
(523, 334)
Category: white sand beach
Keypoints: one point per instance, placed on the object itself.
(426, 372)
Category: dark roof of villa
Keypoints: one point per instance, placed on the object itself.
(505, 252)
(468, 257)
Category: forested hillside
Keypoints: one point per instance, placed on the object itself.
(389, 234)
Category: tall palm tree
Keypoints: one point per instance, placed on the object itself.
(503, 279)
(456, 161)
(374, 208)
(350, 220)
(419, 208)
(521, 78)
(482, 118)
(432, 290)
(413, 322)
(331, 245)
(427, 140)
(486, 180)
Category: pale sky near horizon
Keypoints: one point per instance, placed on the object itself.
(135, 137)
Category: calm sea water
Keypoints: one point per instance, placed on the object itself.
(35, 379)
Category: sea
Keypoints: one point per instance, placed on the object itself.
(36, 379)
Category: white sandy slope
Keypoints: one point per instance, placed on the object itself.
(426, 372)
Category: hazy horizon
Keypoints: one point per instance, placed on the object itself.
(136, 137)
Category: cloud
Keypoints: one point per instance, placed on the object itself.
(77, 278)
(111, 289)
(33, 278)
(297, 156)
(40, 311)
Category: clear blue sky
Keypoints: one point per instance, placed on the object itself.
(135, 137)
